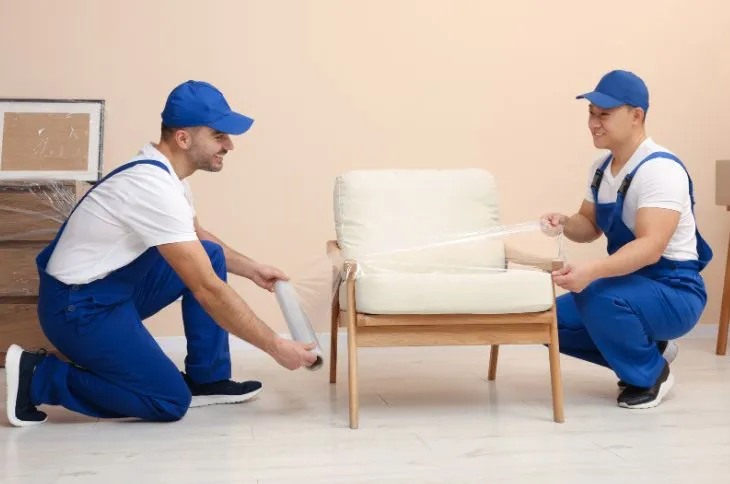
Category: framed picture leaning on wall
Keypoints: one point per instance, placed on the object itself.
(51, 139)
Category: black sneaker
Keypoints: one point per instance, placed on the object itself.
(223, 391)
(668, 349)
(19, 368)
(641, 398)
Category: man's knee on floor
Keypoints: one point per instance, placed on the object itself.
(172, 406)
(170, 400)
(217, 256)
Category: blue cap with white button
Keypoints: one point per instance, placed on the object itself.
(197, 103)
(619, 88)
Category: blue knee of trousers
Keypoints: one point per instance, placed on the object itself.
(217, 258)
(597, 306)
(172, 407)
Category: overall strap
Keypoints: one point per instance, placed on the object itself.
(114, 172)
(659, 154)
(44, 256)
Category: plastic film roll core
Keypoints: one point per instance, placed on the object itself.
(297, 321)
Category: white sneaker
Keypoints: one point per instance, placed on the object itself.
(19, 368)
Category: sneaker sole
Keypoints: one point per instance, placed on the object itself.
(663, 390)
(12, 381)
(207, 400)
(670, 353)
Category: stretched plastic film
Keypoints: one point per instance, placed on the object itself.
(32, 210)
(520, 247)
(501, 269)
(31, 213)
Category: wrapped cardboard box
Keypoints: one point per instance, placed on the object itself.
(31, 212)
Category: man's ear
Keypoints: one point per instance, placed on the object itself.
(183, 138)
(638, 115)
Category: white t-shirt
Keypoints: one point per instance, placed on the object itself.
(137, 208)
(660, 183)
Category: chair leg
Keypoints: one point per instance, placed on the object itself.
(722, 332)
(352, 355)
(556, 380)
(333, 339)
(493, 355)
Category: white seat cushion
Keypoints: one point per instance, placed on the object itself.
(412, 235)
(512, 291)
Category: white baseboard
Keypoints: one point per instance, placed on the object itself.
(177, 344)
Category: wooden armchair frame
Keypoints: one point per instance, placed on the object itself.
(368, 330)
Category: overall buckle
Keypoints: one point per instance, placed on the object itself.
(625, 185)
(597, 179)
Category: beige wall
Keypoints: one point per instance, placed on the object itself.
(336, 85)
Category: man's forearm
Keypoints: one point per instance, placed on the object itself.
(579, 229)
(232, 313)
(628, 259)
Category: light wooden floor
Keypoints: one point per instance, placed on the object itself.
(428, 416)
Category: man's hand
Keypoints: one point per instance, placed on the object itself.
(574, 277)
(553, 224)
(293, 354)
(265, 276)
(580, 227)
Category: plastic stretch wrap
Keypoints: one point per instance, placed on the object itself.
(501, 269)
(35, 209)
(524, 247)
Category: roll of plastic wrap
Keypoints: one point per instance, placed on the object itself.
(296, 319)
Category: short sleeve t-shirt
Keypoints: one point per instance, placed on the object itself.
(659, 183)
(137, 208)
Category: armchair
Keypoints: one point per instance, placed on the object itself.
(407, 298)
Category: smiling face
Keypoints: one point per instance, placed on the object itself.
(614, 127)
(207, 149)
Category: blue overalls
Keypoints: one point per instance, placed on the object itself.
(616, 322)
(118, 369)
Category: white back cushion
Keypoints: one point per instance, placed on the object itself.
(418, 220)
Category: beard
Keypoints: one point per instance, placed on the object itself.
(208, 165)
(208, 162)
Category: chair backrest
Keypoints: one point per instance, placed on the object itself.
(418, 220)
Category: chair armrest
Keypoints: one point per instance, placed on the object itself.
(546, 264)
(334, 253)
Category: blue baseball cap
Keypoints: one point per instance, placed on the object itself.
(619, 88)
(197, 103)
